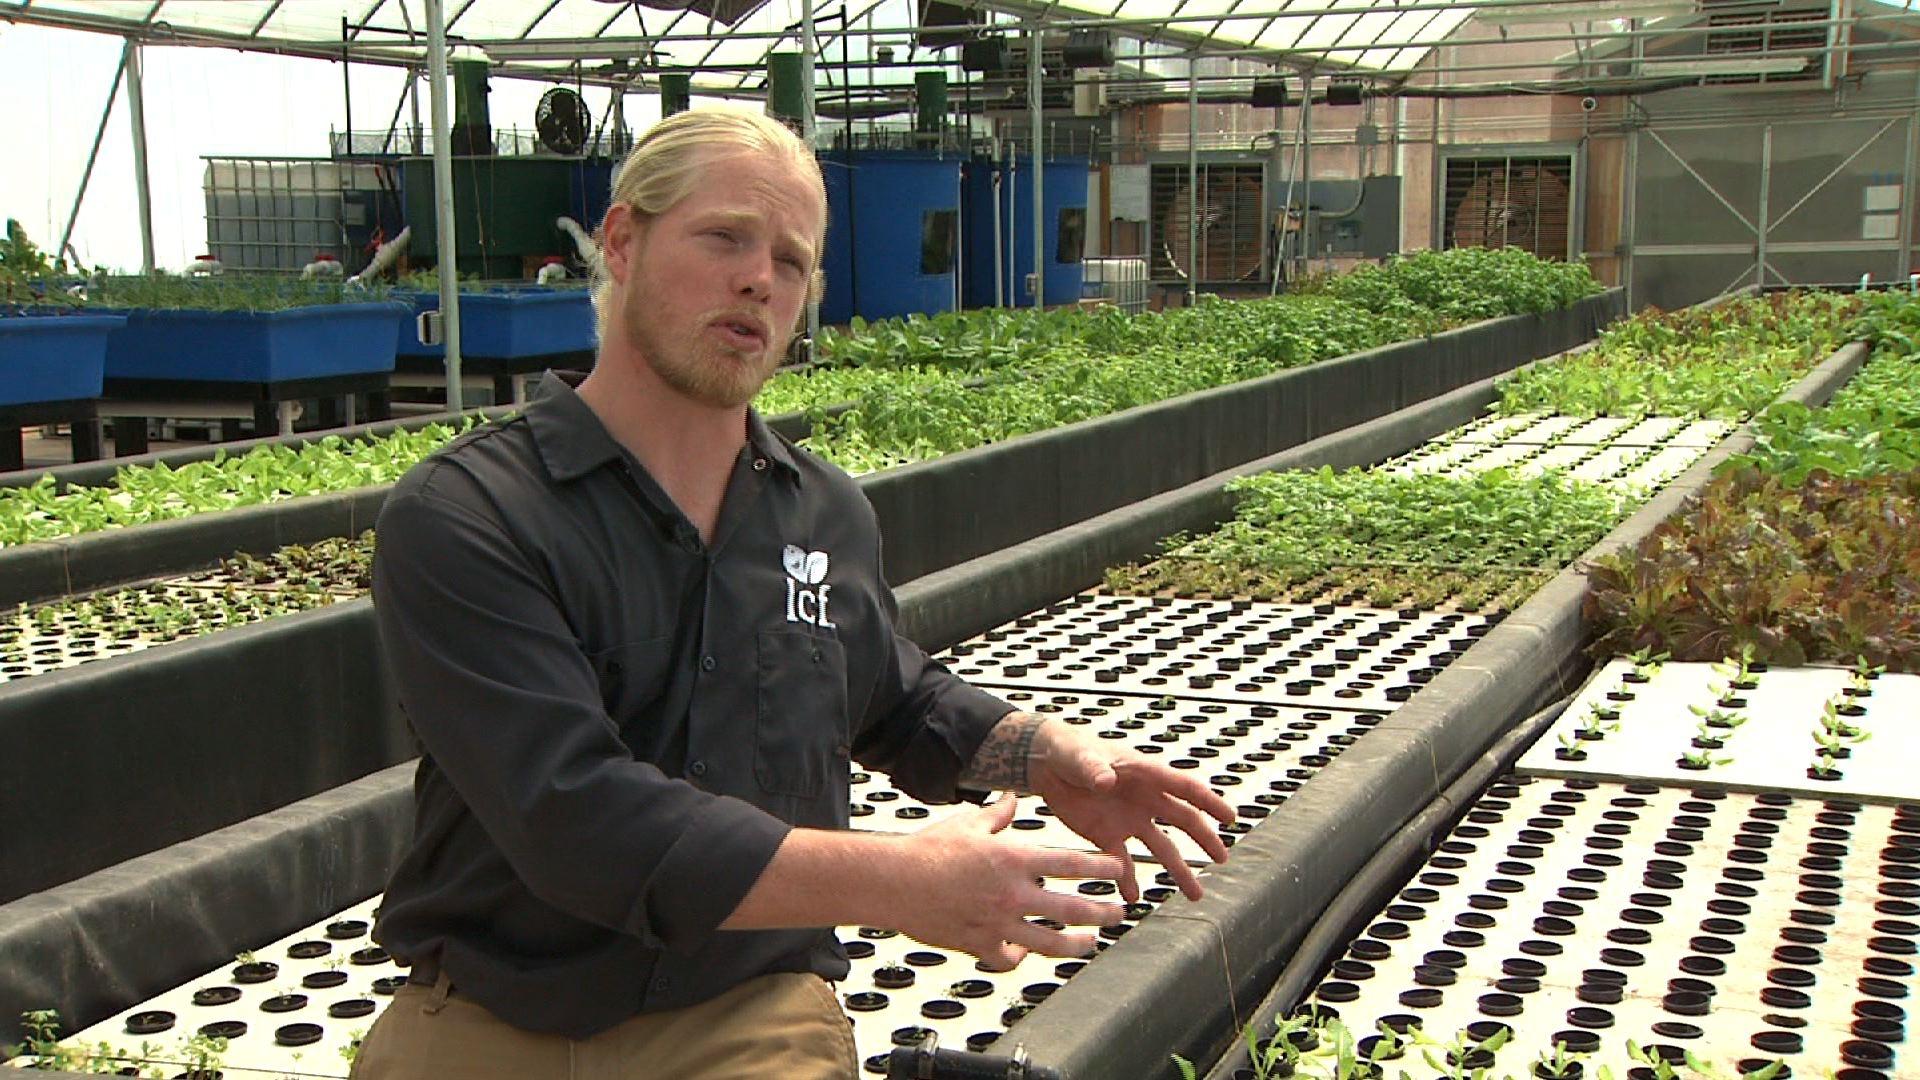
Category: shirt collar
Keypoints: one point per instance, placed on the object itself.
(573, 442)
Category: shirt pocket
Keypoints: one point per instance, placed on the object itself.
(800, 732)
(632, 679)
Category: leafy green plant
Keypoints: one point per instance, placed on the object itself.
(1457, 1059)
(43, 1045)
(1323, 517)
(1724, 362)
(1702, 759)
(1559, 1061)
(224, 292)
(1825, 570)
(143, 494)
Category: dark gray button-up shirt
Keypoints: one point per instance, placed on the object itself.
(618, 724)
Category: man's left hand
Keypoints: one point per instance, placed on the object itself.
(1110, 796)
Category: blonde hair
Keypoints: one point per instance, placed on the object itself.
(665, 166)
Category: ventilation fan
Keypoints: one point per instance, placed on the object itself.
(1524, 205)
(1229, 208)
(561, 121)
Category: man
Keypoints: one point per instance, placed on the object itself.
(640, 638)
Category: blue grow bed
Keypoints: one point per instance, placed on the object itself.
(256, 346)
(506, 324)
(53, 357)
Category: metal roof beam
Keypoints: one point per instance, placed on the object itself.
(272, 9)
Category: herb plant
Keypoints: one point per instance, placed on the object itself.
(224, 292)
(1724, 362)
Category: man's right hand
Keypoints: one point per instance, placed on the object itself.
(963, 885)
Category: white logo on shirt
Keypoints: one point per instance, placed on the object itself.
(806, 595)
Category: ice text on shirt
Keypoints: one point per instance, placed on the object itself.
(806, 593)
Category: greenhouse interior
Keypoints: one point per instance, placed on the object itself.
(1383, 529)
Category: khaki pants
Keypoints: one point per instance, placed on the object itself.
(783, 1025)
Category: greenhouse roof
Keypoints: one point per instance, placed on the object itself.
(726, 41)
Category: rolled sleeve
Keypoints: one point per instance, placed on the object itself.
(507, 706)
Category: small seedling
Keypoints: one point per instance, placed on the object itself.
(1835, 723)
(1660, 1067)
(1717, 717)
(1701, 759)
(1570, 748)
(1822, 767)
(1648, 662)
(1559, 1062)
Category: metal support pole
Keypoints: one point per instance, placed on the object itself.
(346, 80)
(137, 106)
(393, 122)
(1034, 114)
(1629, 228)
(447, 261)
(1306, 173)
(1760, 220)
(93, 155)
(1193, 179)
(1903, 254)
(413, 103)
(1629, 181)
(807, 47)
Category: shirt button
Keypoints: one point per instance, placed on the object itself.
(708, 663)
(659, 984)
(759, 464)
(816, 656)
(698, 768)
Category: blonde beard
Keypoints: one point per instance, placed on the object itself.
(700, 370)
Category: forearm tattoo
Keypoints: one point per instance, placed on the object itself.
(1003, 761)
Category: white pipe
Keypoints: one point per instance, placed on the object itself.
(385, 257)
(443, 198)
(999, 257)
(582, 241)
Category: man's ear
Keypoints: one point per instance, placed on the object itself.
(623, 230)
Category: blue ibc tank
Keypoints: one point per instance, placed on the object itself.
(892, 233)
(1064, 194)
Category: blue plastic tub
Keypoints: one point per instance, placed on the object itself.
(507, 324)
(256, 346)
(53, 357)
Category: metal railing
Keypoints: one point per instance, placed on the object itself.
(507, 142)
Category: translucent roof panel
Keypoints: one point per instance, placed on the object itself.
(729, 38)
